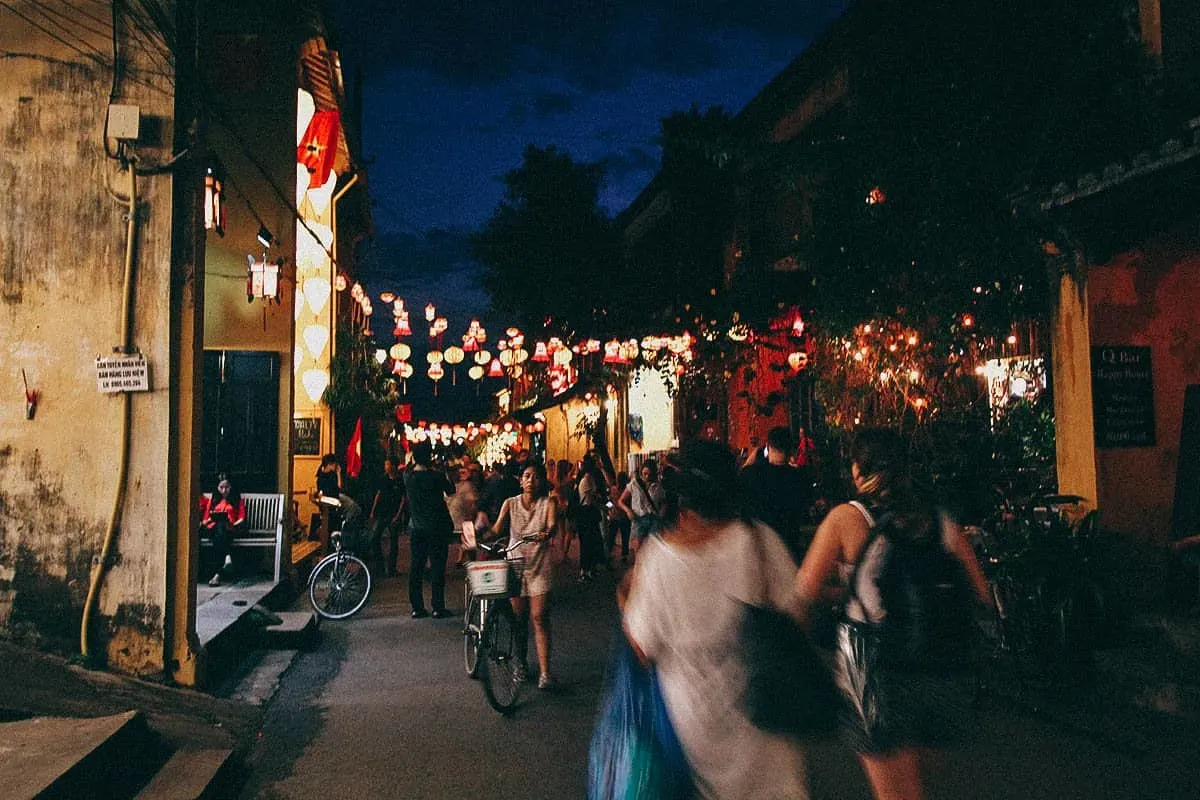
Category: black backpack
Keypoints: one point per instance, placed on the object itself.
(923, 589)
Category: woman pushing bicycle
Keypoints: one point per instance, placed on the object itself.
(532, 513)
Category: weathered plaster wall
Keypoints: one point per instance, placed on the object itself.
(62, 244)
(1149, 297)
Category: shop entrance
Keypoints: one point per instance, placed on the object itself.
(241, 420)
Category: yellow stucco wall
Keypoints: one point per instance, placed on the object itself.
(62, 246)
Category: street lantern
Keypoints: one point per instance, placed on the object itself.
(262, 279)
(214, 202)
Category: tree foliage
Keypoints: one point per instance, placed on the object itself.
(549, 250)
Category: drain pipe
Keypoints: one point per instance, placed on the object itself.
(126, 420)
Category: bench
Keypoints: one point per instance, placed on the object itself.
(264, 526)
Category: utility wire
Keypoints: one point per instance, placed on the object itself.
(49, 33)
(47, 10)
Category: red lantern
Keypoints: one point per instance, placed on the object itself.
(496, 370)
(541, 354)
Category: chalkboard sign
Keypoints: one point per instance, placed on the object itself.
(308, 436)
(1123, 396)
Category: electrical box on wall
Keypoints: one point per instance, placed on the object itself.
(123, 122)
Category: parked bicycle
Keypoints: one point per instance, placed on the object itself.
(492, 644)
(1050, 605)
(340, 583)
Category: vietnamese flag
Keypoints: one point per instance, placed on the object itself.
(354, 451)
(318, 146)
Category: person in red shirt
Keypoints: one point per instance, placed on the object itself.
(222, 516)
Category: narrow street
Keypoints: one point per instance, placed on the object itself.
(382, 708)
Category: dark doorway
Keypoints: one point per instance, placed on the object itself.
(240, 434)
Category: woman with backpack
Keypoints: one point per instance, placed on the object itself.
(890, 546)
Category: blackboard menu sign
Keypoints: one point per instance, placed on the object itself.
(308, 436)
(1123, 396)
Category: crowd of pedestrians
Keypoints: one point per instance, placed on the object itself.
(707, 533)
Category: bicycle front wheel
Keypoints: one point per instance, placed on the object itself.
(472, 625)
(500, 664)
(339, 586)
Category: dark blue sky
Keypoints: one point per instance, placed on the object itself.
(456, 89)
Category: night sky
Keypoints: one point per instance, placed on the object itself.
(456, 89)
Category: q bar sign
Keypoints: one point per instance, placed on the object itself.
(1123, 396)
(122, 373)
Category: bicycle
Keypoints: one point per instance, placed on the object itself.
(340, 583)
(1048, 602)
(492, 644)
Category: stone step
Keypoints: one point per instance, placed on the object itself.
(193, 774)
(71, 757)
(296, 630)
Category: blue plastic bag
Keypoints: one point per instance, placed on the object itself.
(634, 753)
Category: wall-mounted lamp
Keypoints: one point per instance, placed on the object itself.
(264, 237)
(262, 279)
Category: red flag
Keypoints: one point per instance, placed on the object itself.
(318, 146)
(354, 451)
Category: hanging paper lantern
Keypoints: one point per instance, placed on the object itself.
(402, 328)
(381, 356)
(541, 353)
(481, 335)
(563, 357)
(520, 355)
(483, 358)
(612, 352)
(454, 355)
(400, 351)
(440, 325)
(507, 357)
(475, 372)
(387, 297)
(496, 370)
(340, 282)
(430, 312)
(356, 291)
(434, 356)
(511, 332)
(629, 350)
(469, 343)
(406, 370)
(593, 345)
(436, 373)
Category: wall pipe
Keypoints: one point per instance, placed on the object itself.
(126, 421)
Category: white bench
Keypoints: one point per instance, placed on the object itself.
(264, 526)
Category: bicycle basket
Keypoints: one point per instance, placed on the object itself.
(488, 577)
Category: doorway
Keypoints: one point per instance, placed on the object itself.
(240, 433)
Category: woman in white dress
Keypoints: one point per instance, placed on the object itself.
(532, 513)
(682, 612)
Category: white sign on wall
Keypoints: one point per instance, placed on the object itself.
(122, 373)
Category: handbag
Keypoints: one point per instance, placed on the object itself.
(789, 688)
(634, 752)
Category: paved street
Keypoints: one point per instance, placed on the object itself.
(382, 708)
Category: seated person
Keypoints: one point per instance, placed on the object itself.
(222, 517)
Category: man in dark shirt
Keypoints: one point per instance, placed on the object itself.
(429, 530)
(507, 484)
(777, 493)
(387, 512)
